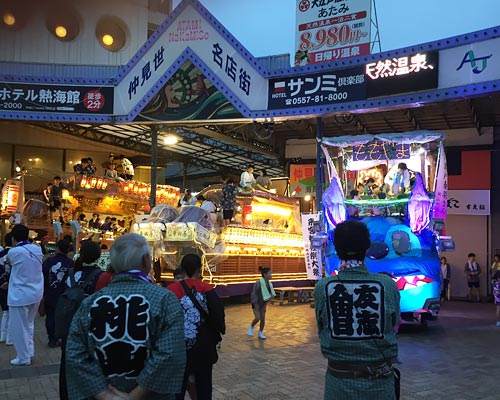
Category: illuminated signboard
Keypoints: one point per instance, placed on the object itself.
(317, 89)
(402, 75)
(37, 97)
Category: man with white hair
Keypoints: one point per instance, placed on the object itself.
(127, 340)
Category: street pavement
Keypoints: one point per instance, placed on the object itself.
(456, 357)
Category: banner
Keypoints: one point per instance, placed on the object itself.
(317, 89)
(380, 151)
(35, 97)
(441, 187)
(331, 30)
(468, 202)
(312, 256)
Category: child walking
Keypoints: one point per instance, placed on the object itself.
(496, 294)
(262, 293)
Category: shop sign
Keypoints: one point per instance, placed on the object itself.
(311, 254)
(317, 89)
(191, 30)
(472, 63)
(35, 97)
(302, 180)
(468, 202)
(404, 74)
(331, 30)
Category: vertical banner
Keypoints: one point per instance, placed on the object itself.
(310, 224)
(331, 30)
(441, 187)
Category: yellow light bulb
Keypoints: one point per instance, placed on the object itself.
(61, 31)
(108, 40)
(9, 19)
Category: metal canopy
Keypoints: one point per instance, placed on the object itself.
(200, 147)
(229, 149)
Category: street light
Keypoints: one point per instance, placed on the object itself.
(170, 140)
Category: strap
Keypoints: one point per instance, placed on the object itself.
(72, 277)
(90, 277)
(86, 282)
(198, 306)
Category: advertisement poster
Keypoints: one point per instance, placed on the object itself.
(35, 97)
(312, 256)
(302, 180)
(331, 30)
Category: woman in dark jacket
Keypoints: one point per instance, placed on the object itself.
(85, 265)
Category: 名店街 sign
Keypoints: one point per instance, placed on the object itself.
(317, 89)
(331, 30)
(402, 75)
(192, 30)
(34, 97)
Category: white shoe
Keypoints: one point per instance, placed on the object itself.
(18, 363)
(9, 343)
(250, 331)
(261, 336)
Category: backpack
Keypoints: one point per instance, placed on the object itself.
(69, 301)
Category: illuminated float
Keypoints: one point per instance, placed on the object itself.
(125, 200)
(405, 224)
(265, 231)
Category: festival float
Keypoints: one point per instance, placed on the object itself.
(265, 231)
(124, 200)
(405, 219)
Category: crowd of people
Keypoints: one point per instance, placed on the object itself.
(167, 337)
(124, 337)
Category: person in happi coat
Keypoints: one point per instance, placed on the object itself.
(127, 340)
(356, 313)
